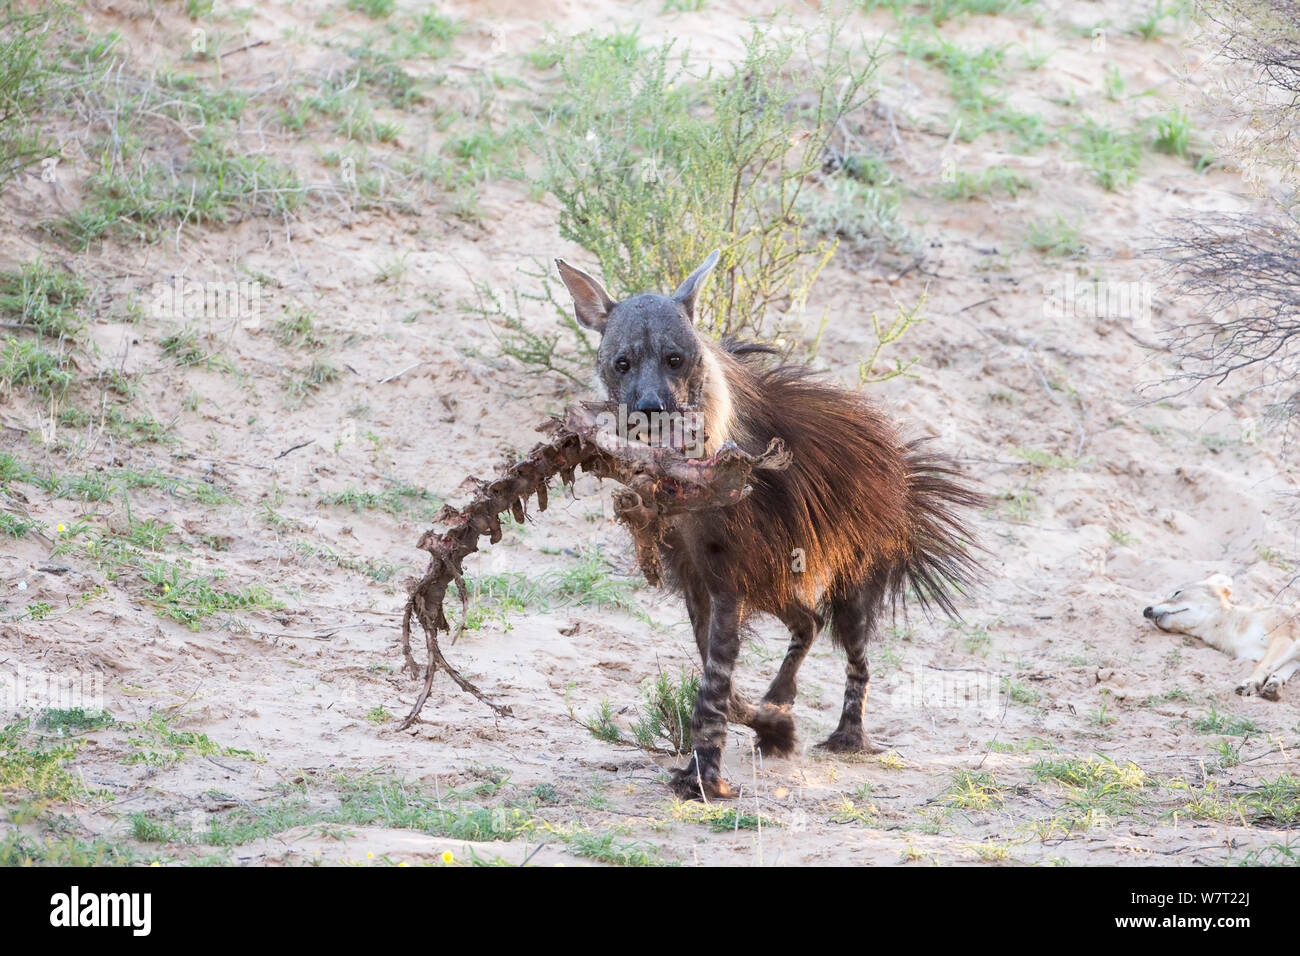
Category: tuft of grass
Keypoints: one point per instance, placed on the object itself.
(1097, 786)
(1229, 725)
(1056, 237)
(939, 12)
(974, 75)
(1275, 802)
(374, 569)
(1157, 19)
(374, 9)
(586, 584)
(182, 345)
(191, 599)
(1113, 155)
(216, 183)
(16, 525)
(602, 725)
(296, 328)
(720, 819)
(606, 848)
(962, 185)
(1172, 133)
(311, 379)
(1046, 459)
(846, 810)
(1021, 693)
(355, 802)
(46, 300)
(398, 499)
(973, 790)
(667, 708)
(24, 363)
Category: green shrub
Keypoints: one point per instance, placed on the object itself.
(668, 708)
(654, 167)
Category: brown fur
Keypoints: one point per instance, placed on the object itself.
(856, 500)
(872, 516)
(858, 520)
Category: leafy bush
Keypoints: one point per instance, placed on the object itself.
(654, 167)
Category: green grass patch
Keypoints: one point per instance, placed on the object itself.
(961, 185)
(1229, 725)
(156, 743)
(398, 499)
(33, 765)
(191, 599)
(1113, 155)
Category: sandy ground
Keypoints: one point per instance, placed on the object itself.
(1139, 498)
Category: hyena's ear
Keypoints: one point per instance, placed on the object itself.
(689, 289)
(591, 303)
(1220, 584)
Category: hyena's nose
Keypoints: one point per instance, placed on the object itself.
(1148, 612)
(650, 405)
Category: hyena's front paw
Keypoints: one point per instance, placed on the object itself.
(774, 730)
(701, 776)
(849, 740)
(1272, 689)
(1248, 688)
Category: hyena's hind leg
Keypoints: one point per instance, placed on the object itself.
(698, 609)
(853, 621)
(774, 720)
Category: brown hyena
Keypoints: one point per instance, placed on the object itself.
(859, 517)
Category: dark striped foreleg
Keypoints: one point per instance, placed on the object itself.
(703, 774)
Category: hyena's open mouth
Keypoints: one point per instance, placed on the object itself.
(681, 430)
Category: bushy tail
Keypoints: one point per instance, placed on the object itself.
(940, 562)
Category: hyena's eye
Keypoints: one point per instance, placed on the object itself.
(622, 365)
(674, 361)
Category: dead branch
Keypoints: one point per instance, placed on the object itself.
(1244, 272)
(658, 480)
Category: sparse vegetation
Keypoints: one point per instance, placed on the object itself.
(666, 714)
(1113, 155)
(652, 170)
(200, 487)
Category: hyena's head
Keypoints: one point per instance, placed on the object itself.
(650, 358)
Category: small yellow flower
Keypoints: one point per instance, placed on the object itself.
(166, 588)
(60, 529)
(447, 856)
(155, 863)
(370, 856)
(400, 865)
